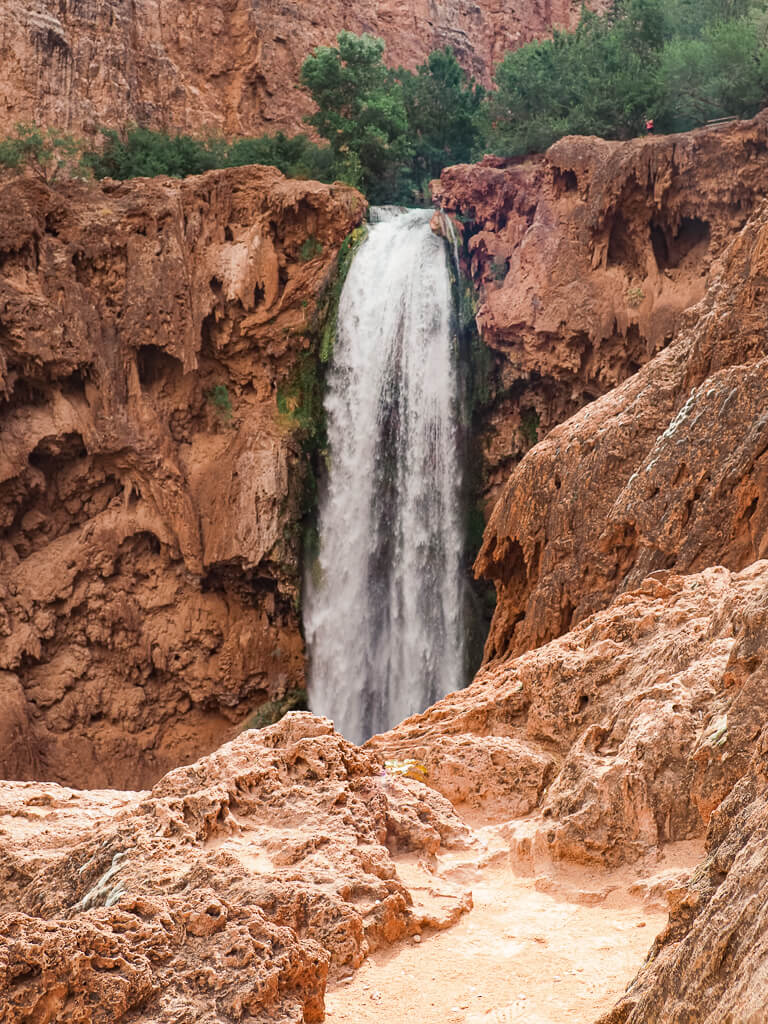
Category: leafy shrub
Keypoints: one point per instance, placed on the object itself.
(45, 152)
(680, 62)
(219, 398)
(529, 426)
(635, 296)
(310, 249)
(361, 111)
(499, 270)
(141, 153)
(273, 710)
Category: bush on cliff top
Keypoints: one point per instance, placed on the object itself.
(680, 62)
(391, 129)
(46, 152)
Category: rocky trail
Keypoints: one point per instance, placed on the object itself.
(555, 945)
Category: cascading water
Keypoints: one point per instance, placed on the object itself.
(383, 614)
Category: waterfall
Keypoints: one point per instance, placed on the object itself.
(383, 608)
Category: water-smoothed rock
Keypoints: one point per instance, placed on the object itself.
(150, 488)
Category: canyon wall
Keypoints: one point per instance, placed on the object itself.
(584, 260)
(151, 489)
(227, 66)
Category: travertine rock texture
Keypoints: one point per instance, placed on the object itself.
(613, 740)
(586, 258)
(711, 962)
(228, 892)
(150, 489)
(667, 471)
(227, 66)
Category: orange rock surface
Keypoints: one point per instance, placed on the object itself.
(615, 739)
(149, 539)
(227, 66)
(585, 259)
(227, 892)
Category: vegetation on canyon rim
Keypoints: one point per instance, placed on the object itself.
(390, 131)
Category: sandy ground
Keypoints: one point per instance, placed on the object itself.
(550, 948)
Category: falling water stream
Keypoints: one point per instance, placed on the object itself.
(383, 613)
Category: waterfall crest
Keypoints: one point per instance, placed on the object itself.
(383, 609)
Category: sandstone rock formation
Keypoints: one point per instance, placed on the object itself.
(227, 892)
(586, 258)
(150, 489)
(227, 66)
(617, 738)
(665, 472)
(711, 962)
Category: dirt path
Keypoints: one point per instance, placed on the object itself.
(548, 949)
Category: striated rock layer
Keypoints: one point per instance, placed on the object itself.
(228, 892)
(150, 490)
(227, 66)
(585, 259)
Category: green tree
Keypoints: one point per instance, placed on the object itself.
(722, 73)
(600, 79)
(296, 157)
(45, 152)
(443, 106)
(142, 153)
(361, 111)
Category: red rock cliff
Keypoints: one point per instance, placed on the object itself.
(226, 66)
(586, 261)
(148, 543)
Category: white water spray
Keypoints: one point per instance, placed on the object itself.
(383, 614)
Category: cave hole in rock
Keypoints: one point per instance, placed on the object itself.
(625, 248)
(73, 385)
(565, 181)
(670, 248)
(52, 451)
(23, 392)
(156, 366)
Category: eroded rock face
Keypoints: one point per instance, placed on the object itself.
(711, 962)
(586, 258)
(150, 489)
(228, 891)
(227, 66)
(617, 738)
(665, 472)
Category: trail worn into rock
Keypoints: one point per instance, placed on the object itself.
(547, 949)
